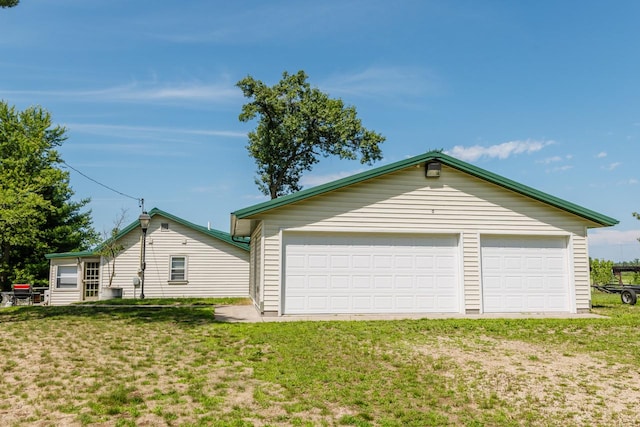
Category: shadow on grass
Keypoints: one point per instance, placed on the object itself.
(186, 311)
(178, 315)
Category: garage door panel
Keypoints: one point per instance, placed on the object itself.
(317, 302)
(424, 262)
(404, 282)
(410, 275)
(536, 284)
(426, 303)
(340, 282)
(383, 303)
(403, 261)
(317, 261)
(341, 302)
(296, 261)
(522, 274)
(318, 282)
(404, 303)
(339, 261)
(361, 303)
(296, 282)
(443, 301)
(361, 261)
(382, 282)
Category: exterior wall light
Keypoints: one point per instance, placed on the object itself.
(433, 169)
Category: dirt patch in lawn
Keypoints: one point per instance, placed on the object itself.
(575, 388)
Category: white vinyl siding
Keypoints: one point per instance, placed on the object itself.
(406, 202)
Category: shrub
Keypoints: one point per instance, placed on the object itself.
(601, 271)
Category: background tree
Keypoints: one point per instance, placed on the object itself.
(296, 125)
(9, 3)
(110, 248)
(36, 213)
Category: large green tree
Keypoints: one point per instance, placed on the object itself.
(37, 215)
(297, 124)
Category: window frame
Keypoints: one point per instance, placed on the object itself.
(67, 286)
(173, 271)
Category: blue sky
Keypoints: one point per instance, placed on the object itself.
(545, 93)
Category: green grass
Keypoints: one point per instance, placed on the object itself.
(174, 365)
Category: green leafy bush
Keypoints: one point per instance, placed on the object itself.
(601, 271)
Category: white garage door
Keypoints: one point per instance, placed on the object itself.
(370, 274)
(524, 275)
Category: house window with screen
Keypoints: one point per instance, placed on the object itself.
(67, 277)
(178, 269)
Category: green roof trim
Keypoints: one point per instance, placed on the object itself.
(220, 235)
(80, 254)
(428, 157)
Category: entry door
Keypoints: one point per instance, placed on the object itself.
(91, 280)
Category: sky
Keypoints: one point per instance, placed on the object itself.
(545, 93)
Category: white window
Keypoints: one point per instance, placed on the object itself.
(67, 277)
(178, 269)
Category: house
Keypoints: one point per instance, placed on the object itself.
(182, 260)
(428, 234)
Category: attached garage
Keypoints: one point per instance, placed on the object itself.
(525, 274)
(351, 273)
(428, 234)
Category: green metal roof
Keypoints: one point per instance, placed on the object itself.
(428, 157)
(220, 235)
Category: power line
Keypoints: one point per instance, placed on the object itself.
(138, 199)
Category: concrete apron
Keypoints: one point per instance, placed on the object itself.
(249, 314)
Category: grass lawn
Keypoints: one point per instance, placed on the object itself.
(175, 366)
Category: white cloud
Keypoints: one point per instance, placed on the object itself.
(138, 131)
(630, 181)
(145, 92)
(562, 168)
(601, 155)
(383, 82)
(209, 189)
(612, 166)
(500, 151)
(613, 237)
(313, 180)
(553, 159)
